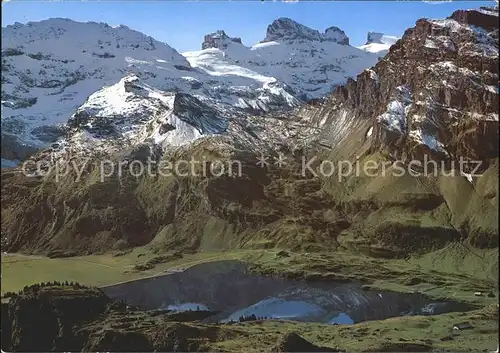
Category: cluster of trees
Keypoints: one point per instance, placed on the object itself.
(252, 317)
(57, 283)
(35, 287)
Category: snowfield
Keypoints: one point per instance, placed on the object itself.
(378, 43)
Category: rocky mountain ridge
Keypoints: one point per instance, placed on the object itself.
(285, 29)
(430, 96)
(217, 40)
(335, 189)
(443, 77)
(50, 68)
(433, 97)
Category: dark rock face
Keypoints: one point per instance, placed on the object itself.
(484, 18)
(198, 114)
(13, 149)
(219, 40)
(48, 133)
(42, 319)
(287, 29)
(451, 71)
(118, 341)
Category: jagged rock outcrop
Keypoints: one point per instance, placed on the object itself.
(219, 40)
(43, 318)
(433, 86)
(433, 96)
(285, 29)
(376, 37)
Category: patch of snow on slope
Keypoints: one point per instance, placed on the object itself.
(369, 132)
(395, 116)
(373, 75)
(214, 62)
(421, 137)
(429, 43)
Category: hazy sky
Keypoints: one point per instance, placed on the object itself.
(182, 24)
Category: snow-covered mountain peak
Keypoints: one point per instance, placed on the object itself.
(380, 38)
(378, 43)
(337, 35)
(84, 41)
(52, 68)
(219, 39)
(285, 29)
(130, 113)
(122, 98)
(122, 102)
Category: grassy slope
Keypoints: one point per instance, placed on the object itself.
(394, 335)
(446, 280)
(97, 270)
(439, 274)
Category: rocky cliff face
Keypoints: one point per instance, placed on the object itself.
(285, 29)
(435, 85)
(218, 40)
(434, 96)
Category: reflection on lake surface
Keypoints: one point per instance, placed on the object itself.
(226, 287)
